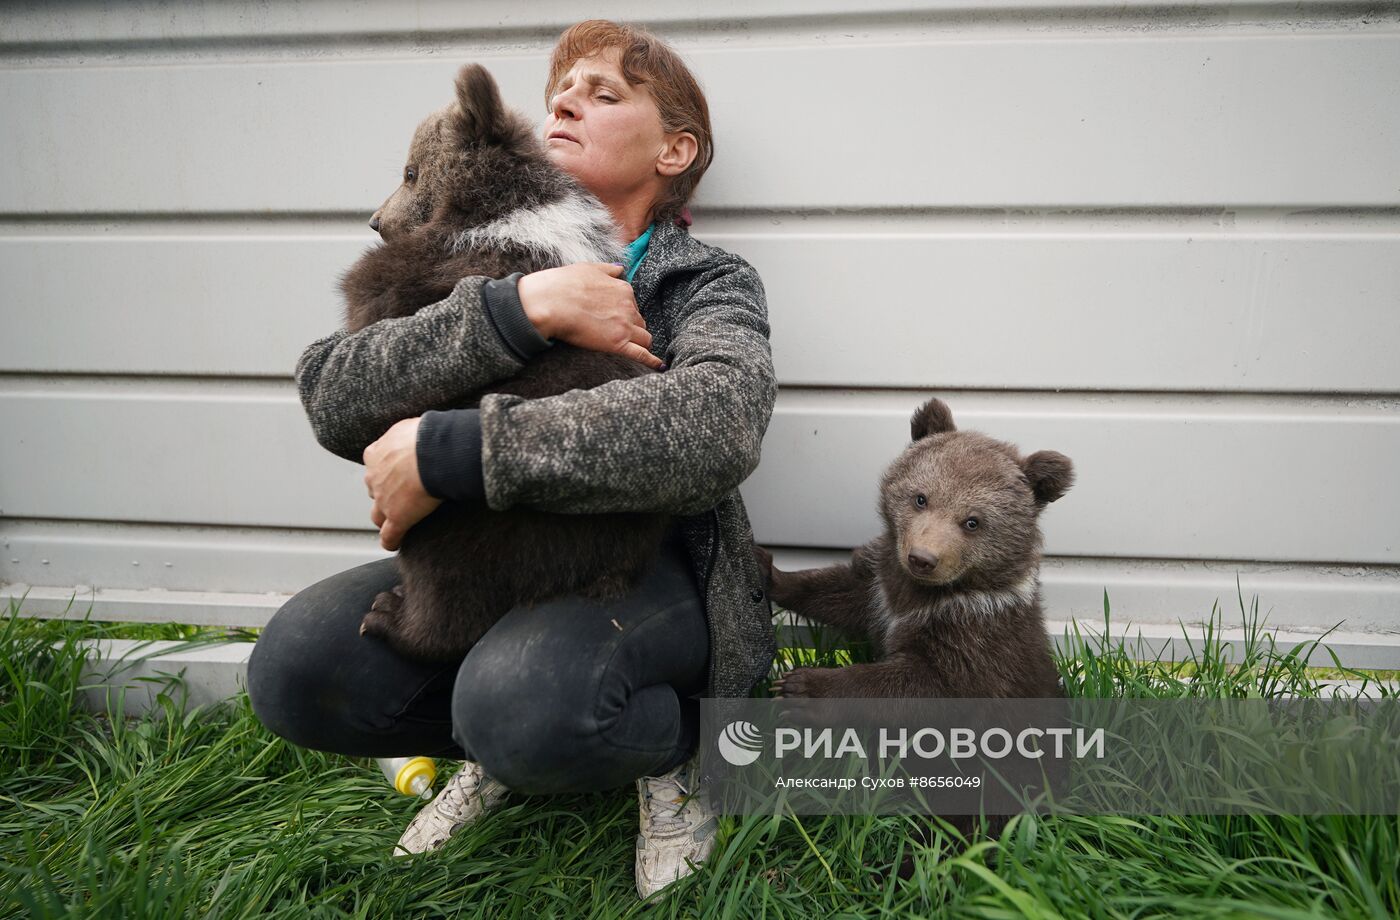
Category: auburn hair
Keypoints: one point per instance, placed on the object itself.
(646, 60)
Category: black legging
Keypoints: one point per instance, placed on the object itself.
(571, 695)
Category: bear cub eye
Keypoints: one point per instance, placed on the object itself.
(920, 500)
(971, 524)
(410, 174)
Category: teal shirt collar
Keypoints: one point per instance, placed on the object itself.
(636, 250)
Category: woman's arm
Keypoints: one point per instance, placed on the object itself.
(355, 385)
(676, 442)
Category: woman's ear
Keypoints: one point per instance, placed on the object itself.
(677, 154)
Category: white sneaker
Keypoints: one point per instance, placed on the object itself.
(468, 795)
(677, 832)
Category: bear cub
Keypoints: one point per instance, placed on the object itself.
(479, 196)
(948, 594)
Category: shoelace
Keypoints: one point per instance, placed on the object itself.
(454, 798)
(665, 803)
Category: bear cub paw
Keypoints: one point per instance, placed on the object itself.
(382, 613)
(801, 682)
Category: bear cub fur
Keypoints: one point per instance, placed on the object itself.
(948, 594)
(480, 197)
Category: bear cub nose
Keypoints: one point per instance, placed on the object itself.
(374, 224)
(922, 562)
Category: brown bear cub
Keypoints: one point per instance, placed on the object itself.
(948, 595)
(480, 197)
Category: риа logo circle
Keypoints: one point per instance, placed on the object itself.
(740, 743)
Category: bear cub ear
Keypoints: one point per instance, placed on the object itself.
(933, 417)
(480, 115)
(1050, 474)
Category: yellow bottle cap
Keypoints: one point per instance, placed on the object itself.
(409, 775)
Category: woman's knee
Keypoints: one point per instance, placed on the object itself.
(308, 669)
(549, 716)
(525, 728)
(282, 678)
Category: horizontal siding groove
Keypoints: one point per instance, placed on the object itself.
(170, 40)
(185, 222)
(200, 532)
(31, 379)
(1369, 399)
(1011, 222)
(282, 388)
(1177, 564)
(1014, 222)
(1109, 402)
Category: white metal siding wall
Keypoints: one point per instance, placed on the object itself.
(1163, 241)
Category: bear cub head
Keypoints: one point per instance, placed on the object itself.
(479, 196)
(469, 162)
(961, 510)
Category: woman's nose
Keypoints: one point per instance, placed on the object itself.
(564, 107)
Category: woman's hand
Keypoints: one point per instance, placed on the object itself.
(391, 474)
(587, 304)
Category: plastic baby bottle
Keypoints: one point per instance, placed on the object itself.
(410, 775)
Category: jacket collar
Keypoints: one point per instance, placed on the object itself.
(671, 249)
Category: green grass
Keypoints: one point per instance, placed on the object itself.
(207, 814)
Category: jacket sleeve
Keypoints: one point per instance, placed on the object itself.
(676, 441)
(355, 385)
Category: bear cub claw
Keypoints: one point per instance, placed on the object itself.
(799, 683)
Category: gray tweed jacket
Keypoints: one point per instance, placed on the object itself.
(678, 442)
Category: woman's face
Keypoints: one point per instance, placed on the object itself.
(604, 132)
